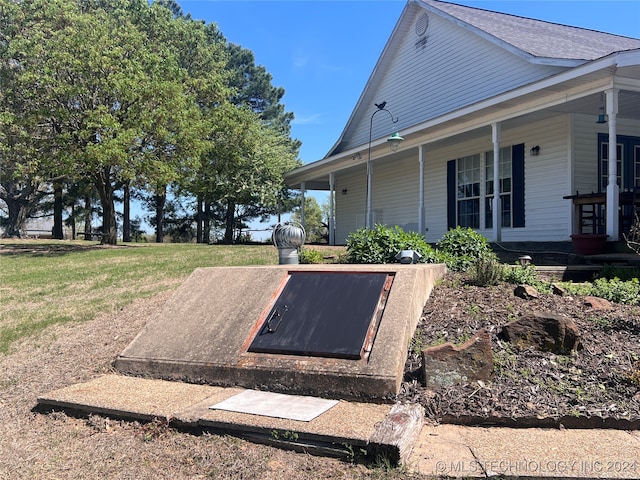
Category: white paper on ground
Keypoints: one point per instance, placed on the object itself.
(278, 405)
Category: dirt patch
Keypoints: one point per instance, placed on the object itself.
(597, 386)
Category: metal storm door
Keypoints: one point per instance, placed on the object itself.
(326, 314)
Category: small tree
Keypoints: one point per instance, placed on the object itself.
(315, 221)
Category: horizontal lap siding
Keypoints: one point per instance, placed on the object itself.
(585, 159)
(455, 69)
(546, 182)
(395, 193)
(547, 214)
(350, 207)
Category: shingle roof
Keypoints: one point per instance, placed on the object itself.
(537, 37)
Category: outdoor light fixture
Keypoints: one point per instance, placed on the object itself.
(394, 141)
(344, 191)
(524, 260)
(394, 144)
(535, 151)
(602, 118)
(408, 256)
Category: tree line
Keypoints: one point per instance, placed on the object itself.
(105, 101)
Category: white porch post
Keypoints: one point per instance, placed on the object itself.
(369, 212)
(421, 152)
(332, 189)
(497, 214)
(302, 190)
(613, 191)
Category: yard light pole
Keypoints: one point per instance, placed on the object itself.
(394, 143)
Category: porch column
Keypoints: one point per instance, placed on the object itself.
(302, 191)
(497, 214)
(332, 189)
(368, 222)
(613, 191)
(421, 152)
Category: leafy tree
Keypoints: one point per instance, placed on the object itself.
(316, 223)
(245, 167)
(21, 186)
(114, 102)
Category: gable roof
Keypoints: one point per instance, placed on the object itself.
(538, 38)
(536, 41)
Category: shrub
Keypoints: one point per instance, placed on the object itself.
(526, 275)
(617, 291)
(521, 274)
(381, 245)
(463, 246)
(487, 270)
(309, 255)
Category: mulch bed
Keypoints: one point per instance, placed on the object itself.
(596, 387)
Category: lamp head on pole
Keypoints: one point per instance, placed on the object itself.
(394, 141)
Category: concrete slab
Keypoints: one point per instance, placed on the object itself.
(344, 430)
(349, 428)
(203, 333)
(457, 451)
(131, 397)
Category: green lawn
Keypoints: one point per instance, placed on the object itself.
(43, 283)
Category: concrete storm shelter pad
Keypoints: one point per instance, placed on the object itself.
(205, 332)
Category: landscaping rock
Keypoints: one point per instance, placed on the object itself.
(447, 364)
(525, 291)
(544, 331)
(597, 303)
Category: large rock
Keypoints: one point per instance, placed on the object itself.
(525, 291)
(543, 330)
(448, 365)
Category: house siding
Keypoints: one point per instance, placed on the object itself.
(396, 186)
(456, 68)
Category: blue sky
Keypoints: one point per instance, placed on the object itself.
(323, 52)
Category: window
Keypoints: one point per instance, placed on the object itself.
(469, 191)
(465, 176)
(505, 188)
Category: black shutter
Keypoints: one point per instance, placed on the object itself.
(451, 194)
(517, 172)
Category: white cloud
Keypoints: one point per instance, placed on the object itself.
(313, 119)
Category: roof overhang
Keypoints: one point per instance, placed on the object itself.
(576, 90)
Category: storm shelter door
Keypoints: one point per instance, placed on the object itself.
(325, 314)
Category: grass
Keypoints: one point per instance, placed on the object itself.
(44, 283)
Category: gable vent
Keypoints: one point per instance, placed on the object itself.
(422, 24)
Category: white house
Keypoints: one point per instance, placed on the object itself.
(481, 99)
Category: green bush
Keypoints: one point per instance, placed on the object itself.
(381, 245)
(617, 291)
(520, 275)
(526, 275)
(309, 255)
(463, 247)
(614, 290)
